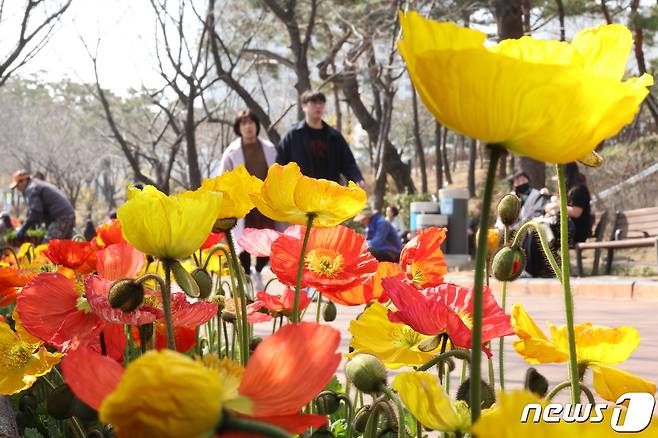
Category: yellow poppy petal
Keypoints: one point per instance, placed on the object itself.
(330, 202)
(543, 99)
(524, 325)
(425, 398)
(164, 394)
(595, 343)
(236, 186)
(611, 382)
(533, 345)
(602, 48)
(394, 344)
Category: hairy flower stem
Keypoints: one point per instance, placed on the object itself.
(441, 358)
(401, 418)
(300, 269)
(542, 241)
(166, 304)
(495, 153)
(501, 342)
(242, 319)
(566, 285)
(567, 384)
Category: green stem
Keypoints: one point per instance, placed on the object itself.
(457, 353)
(244, 322)
(568, 297)
(166, 304)
(300, 269)
(349, 412)
(567, 384)
(495, 153)
(77, 427)
(318, 311)
(501, 342)
(542, 241)
(401, 423)
(492, 377)
(231, 423)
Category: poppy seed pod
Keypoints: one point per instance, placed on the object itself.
(126, 294)
(329, 312)
(203, 280)
(488, 397)
(508, 263)
(60, 402)
(367, 372)
(223, 225)
(535, 382)
(508, 209)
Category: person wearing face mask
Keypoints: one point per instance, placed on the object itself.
(532, 200)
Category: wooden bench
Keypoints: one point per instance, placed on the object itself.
(599, 229)
(631, 229)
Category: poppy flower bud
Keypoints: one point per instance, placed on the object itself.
(327, 402)
(508, 263)
(329, 311)
(60, 402)
(254, 342)
(367, 372)
(203, 280)
(126, 295)
(488, 398)
(185, 280)
(535, 382)
(224, 224)
(509, 208)
(228, 317)
(361, 418)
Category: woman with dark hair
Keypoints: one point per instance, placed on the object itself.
(257, 155)
(578, 203)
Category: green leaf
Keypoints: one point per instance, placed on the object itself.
(32, 433)
(339, 428)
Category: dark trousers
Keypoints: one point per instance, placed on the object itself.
(384, 255)
(245, 261)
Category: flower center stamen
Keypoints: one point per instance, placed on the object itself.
(325, 262)
(16, 356)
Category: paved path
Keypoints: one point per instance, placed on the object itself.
(602, 311)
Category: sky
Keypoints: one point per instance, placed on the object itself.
(126, 30)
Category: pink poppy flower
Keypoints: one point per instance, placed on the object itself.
(258, 242)
(120, 260)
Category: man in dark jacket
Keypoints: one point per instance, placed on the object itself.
(384, 242)
(45, 203)
(318, 149)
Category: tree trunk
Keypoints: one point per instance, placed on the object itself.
(560, 15)
(193, 169)
(509, 20)
(472, 155)
(526, 17)
(437, 150)
(502, 165)
(638, 40)
(339, 113)
(420, 153)
(606, 12)
(444, 151)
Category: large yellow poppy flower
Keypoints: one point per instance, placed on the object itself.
(22, 359)
(426, 399)
(503, 421)
(289, 196)
(164, 394)
(236, 186)
(394, 344)
(549, 100)
(170, 227)
(597, 347)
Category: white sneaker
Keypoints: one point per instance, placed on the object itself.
(257, 280)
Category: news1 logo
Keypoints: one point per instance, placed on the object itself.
(638, 414)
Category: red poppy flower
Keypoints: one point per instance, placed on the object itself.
(52, 308)
(79, 256)
(212, 240)
(254, 315)
(422, 259)
(425, 314)
(11, 279)
(119, 260)
(109, 233)
(258, 242)
(369, 291)
(96, 292)
(337, 259)
(287, 370)
(495, 322)
(184, 337)
(284, 303)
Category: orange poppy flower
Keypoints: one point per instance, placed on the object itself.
(369, 291)
(11, 279)
(212, 240)
(109, 234)
(337, 259)
(286, 371)
(422, 259)
(79, 256)
(119, 260)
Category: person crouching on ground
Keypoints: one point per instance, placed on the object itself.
(383, 240)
